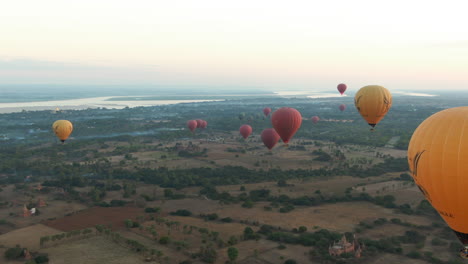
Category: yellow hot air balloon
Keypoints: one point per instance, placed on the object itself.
(373, 103)
(63, 129)
(438, 161)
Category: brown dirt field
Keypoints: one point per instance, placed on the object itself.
(296, 252)
(225, 230)
(383, 231)
(95, 250)
(54, 208)
(391, 258)
(341, 217)
(28, 236)
(246, 250)
(94, 216)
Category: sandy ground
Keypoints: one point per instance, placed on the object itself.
(28, 237)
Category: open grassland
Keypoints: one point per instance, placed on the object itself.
(27, 236)
(95, 250)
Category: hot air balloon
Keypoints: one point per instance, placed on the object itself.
(341, 88)
(63, 129)
(245, 131)
(342, 107)
(438, 162)
(199, 122)
(270, 137)
(373, 103)
(315, 119)
(204, 124)
(286, 122)
(192, 125)
(266, 111)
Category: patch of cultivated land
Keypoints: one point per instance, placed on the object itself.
(95, 250)
(27, 237)
(391, 258)
(114, 216)
(340, 217)
(327, 186)
(247, 250)
(173, 255)
(225, 230)
(297, 252)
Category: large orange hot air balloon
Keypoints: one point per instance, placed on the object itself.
(266, 111)
(342, 107)
(63, 129)
(270, 137)
(286, 122)
(438, 161)
(341, 88)
(315, 119)
(373, 103)
(192, 125)
(245, 131)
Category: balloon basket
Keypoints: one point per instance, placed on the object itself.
(464, 253)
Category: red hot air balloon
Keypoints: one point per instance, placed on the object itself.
(286, 122)
(341, 88)
(315, 119)
(266, 111)
(192, 125)
(270, 137)
(204, 124)
(245, 131)
(342, 107)
(199, 122)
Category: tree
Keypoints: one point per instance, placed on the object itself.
(290, 261)
(164, 240)
(302, 229)
(232, 253)
(13, 253)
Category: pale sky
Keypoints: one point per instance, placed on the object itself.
(400, 44)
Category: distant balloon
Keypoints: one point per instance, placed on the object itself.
(315, 119)
(199, 122)
(438, 162)
(373, 103)
(204, 124)
(270, 137)
(342, 107)
(62, 129)
(341, 88)
(266, 111)
(245, 131)
(192, 125)
(286, 122)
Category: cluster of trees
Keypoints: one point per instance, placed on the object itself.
(84, 233)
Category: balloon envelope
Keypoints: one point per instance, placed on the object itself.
(245, 131)
(315, 119)
(192, 125)
(373, 103)
(266, 111)
(341, 88)
(270, 137)
(286, 121)
(342, 107)
(199, 122)
(438, 162)
(204, 124)
(62, 129)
